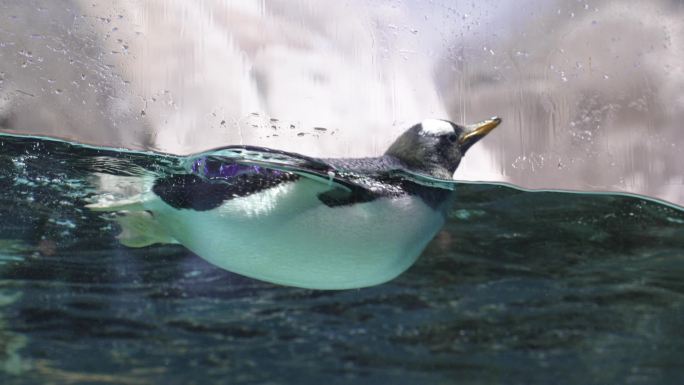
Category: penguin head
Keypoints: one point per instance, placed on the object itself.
(435, 147)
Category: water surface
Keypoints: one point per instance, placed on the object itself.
(519, 287)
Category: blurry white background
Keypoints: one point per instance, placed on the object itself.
(591, 92)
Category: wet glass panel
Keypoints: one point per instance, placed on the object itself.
(590, 91)
(517, 286)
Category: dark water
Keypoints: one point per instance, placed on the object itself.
(518, 288)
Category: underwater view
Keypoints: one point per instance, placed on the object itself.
(517, 287)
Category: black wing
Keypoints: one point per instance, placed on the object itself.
(189, 191)
(237, 171)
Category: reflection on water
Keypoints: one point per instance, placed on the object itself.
(519, 287)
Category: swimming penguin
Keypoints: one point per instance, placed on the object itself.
(305, 222)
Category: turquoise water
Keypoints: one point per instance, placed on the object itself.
(518, 288)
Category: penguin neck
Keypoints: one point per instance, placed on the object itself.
(419, 164)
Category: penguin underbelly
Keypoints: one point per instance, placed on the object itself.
(285, 235)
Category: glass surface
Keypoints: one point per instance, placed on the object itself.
(519, 286)
(590, 91)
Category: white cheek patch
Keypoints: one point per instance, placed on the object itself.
(435, 127)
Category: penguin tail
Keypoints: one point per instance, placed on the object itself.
(127, 196)
(107, 203)
(140, 229)
(117, 193)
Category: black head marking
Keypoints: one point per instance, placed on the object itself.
(431, 147)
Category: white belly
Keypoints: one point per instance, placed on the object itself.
(287, 236)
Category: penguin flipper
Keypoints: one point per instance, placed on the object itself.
(140, 229)
(341, 197)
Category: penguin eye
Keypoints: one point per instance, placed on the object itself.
(452, 138)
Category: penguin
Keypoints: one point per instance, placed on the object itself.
(317, 223)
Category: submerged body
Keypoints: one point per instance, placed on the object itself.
(327, 224)
(286, 236)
